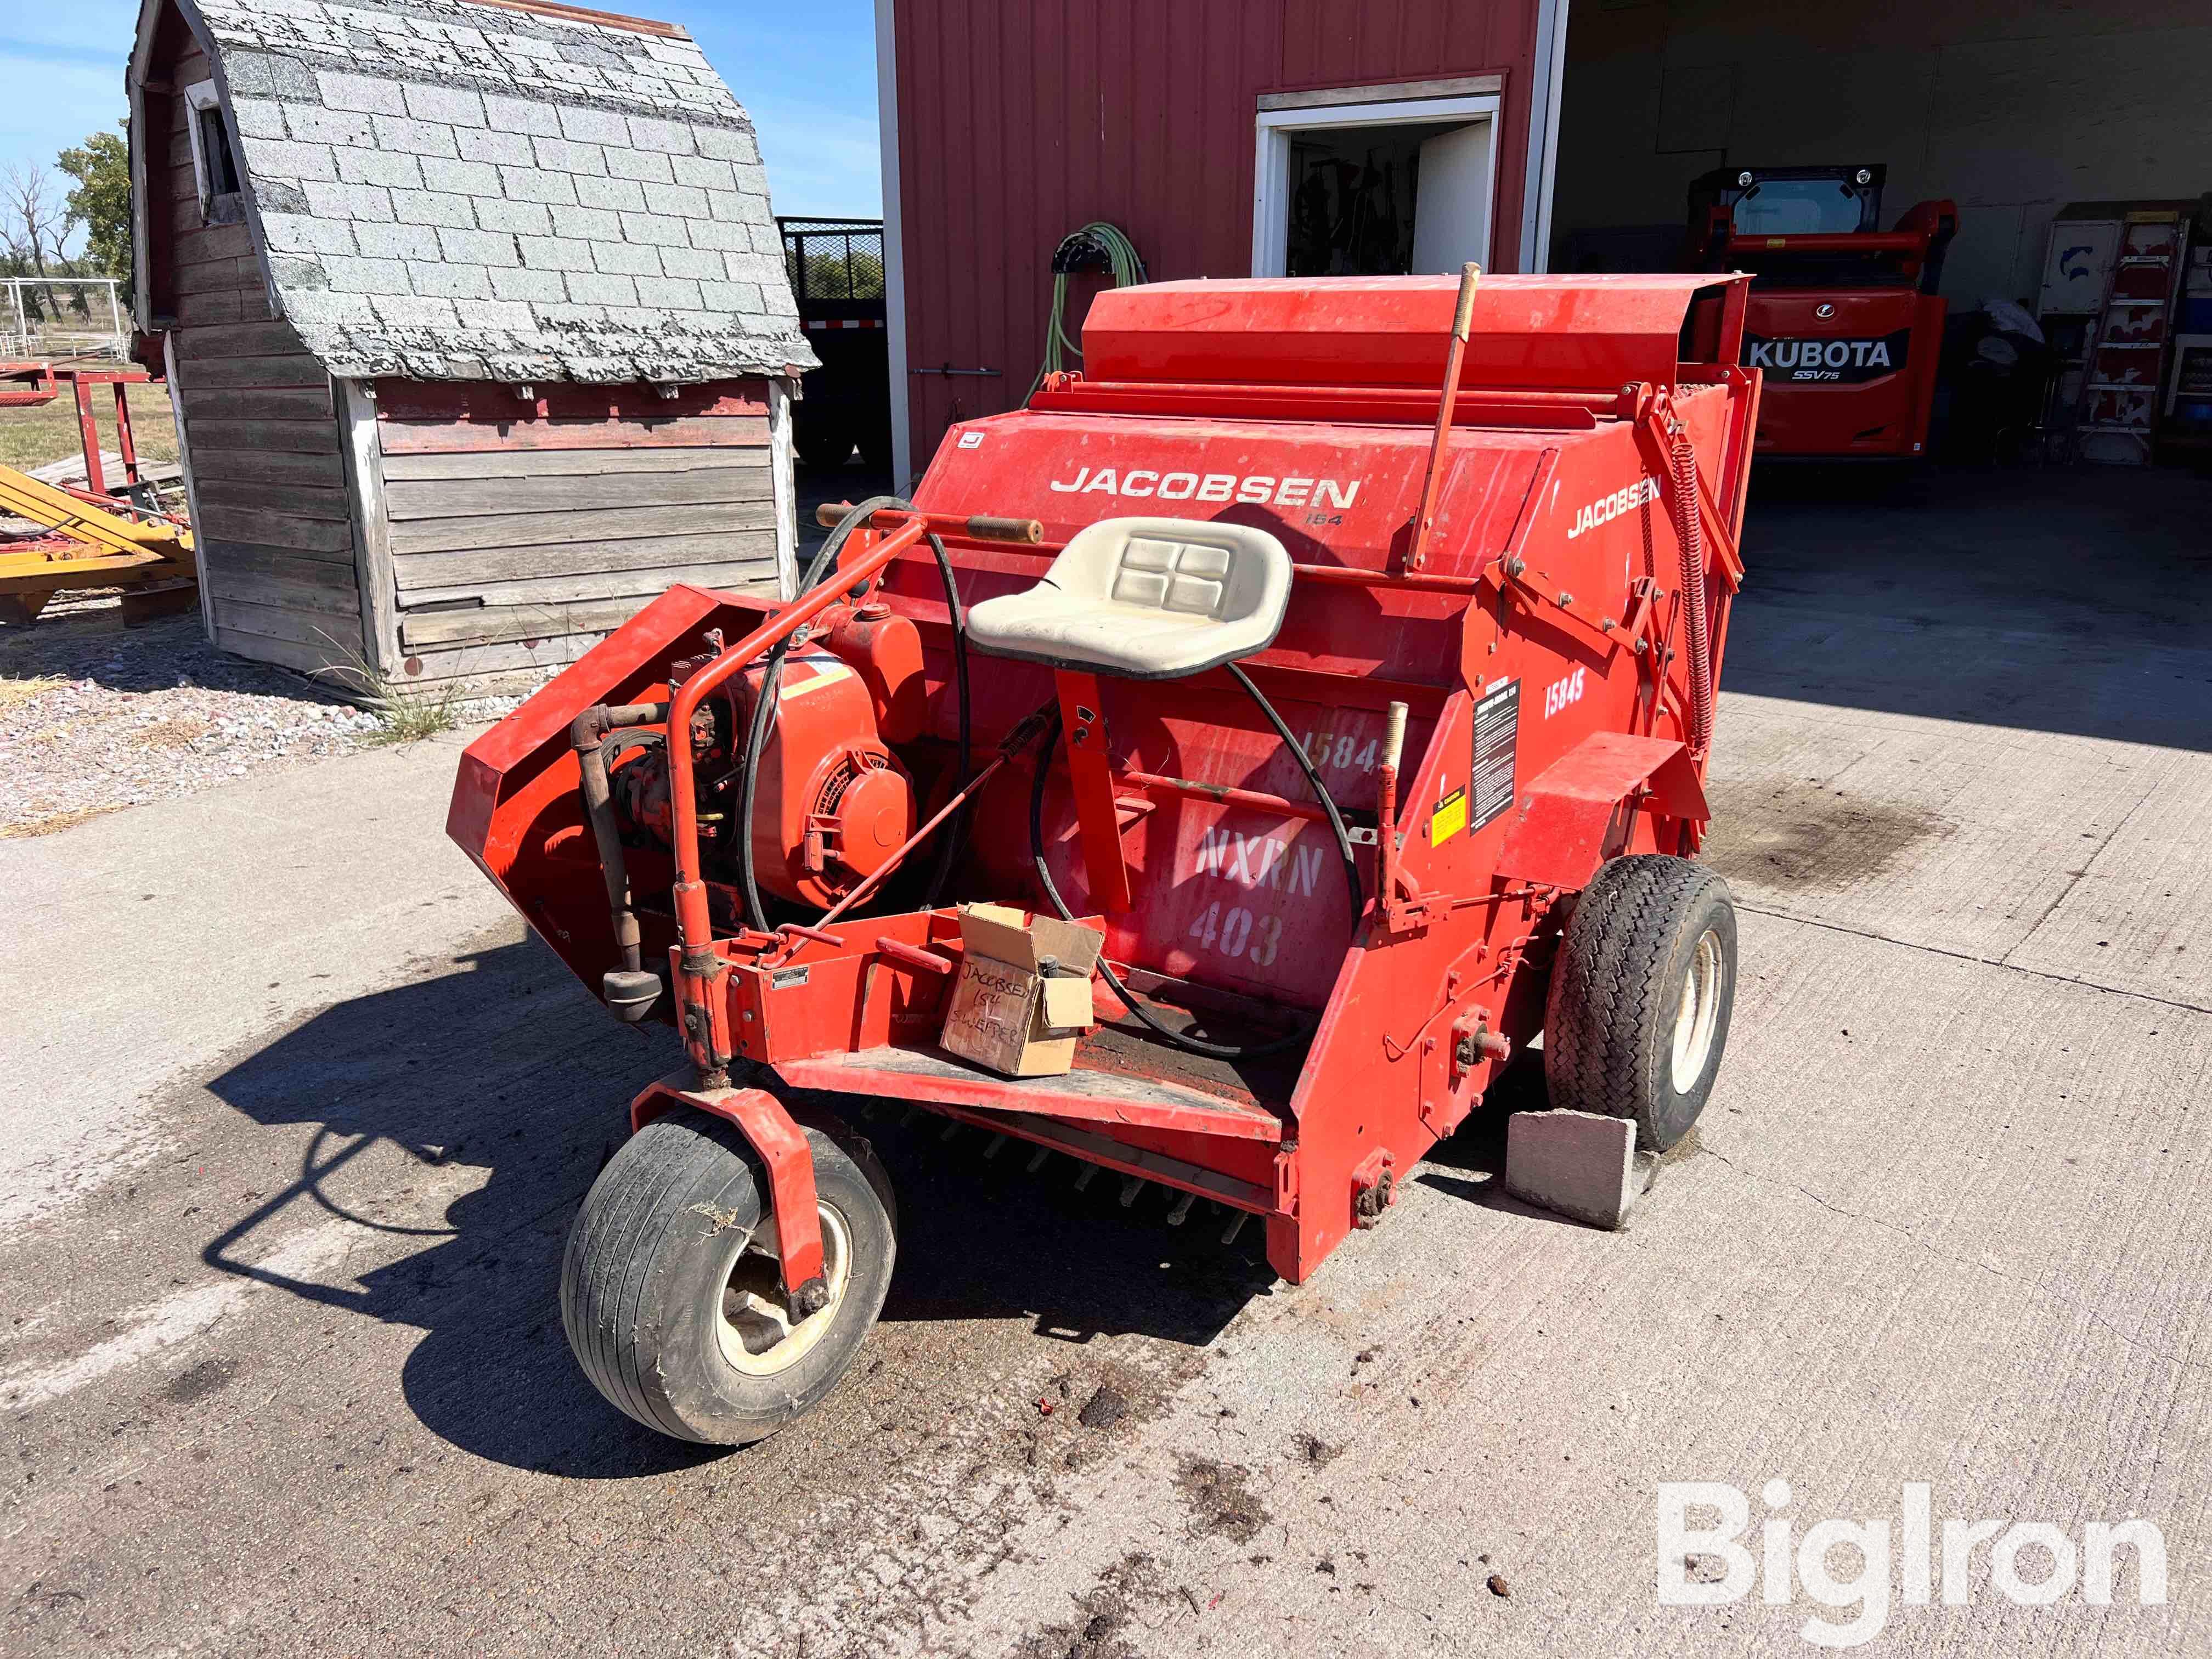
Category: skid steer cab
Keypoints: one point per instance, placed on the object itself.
(1342, 652)
(1844, 318)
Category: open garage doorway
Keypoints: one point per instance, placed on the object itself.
(1373, 188)
(2053, 128)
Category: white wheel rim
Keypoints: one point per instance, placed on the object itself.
(753, 1327)
(1696, 1013)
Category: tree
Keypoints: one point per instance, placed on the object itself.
(100, 201)
(34, 222)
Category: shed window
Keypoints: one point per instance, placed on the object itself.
(215, 164)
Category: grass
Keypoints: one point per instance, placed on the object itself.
(33, 437)
(400, 718)
(16, 693)
(57, 822)
(403, 719)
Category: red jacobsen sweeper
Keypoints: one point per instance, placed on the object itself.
(1845, 317)
(1343, 649)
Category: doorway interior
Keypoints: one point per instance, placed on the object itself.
(1374, 189)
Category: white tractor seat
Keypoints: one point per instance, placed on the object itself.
(1145, 600)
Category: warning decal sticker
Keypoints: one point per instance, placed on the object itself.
(1496, 736)
(1449, 819)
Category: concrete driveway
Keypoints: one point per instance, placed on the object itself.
(296, 1116)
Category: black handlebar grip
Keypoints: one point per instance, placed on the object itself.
(985, 528)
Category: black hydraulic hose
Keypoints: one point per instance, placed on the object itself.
(818, 571)
(1354, 889)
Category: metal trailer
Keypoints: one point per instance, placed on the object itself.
(836, 271)
(1375, 745)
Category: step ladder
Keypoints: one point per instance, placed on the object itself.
(2128, 346)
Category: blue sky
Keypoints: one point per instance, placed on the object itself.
(805, 71)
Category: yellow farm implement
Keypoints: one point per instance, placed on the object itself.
(90, 539)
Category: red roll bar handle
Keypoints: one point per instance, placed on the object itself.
(702, 1022)
(981, 527)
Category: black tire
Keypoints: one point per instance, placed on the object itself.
(1619, 987)
(823, 435)
(651, 1255)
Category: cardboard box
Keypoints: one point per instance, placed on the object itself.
(1023, 993)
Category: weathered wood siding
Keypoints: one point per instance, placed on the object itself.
(261, 433)
(522, 532)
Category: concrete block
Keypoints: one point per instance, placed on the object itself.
(379, 167)
(677, 200)
(460, 178)
(354, 203)
(627, 260)
(691, 262)
(556, 253)
(397, 241)
(452, 281)
(371, 276)
(704, 173)
(415, 311)
(524, 218)
(593, 127)
(530, 185)
(674, 138)
(302, 232)
(416, 137)
(1579, 1165)
(360, 92)
(657, 228)
(529, 285)
(330, 126)
(523, 115)
(650, 167)
(258, 117)
(602, 291)
(567, 155)
(615, 195)
(269, 75)
(435, 207)
(452, 107)
(478, 247)
(277, 158)
(589, 223)
(505, 148)
(719, 238)
(679, 292)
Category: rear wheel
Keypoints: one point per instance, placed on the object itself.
(1641, 992)
(671, 1292)
(822, 435)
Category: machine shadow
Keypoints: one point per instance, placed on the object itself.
(2042, 600)
(503, 1064)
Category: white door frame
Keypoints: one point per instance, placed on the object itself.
(1270, 163)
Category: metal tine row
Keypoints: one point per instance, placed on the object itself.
(1133, 1187)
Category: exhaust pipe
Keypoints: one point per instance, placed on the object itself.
(628, 990)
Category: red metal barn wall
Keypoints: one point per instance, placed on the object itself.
(1020, 121)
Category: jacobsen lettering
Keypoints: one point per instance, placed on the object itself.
(1607, 508)
(1140, 482)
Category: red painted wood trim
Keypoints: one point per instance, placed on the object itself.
(470, 437)
(477, 400)
(582, 15)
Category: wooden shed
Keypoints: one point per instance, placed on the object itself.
(477, 320)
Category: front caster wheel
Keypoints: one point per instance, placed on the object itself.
(670, 1291)
(1641, 991)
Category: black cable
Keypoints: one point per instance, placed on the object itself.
(1353, 888)
(819, 570)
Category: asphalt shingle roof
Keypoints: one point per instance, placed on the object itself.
(456, 191)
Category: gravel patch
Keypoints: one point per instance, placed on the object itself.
(94, 717)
